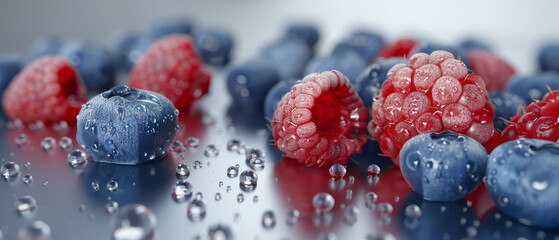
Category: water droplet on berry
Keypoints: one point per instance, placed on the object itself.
(503, 201)
(26, 205)
(268, 220)
(112, 185)
(65, 143)
(337, 171)
(196, 210)
(133, 221)
(95, 186)
(77, 158)
(182, 191)
(323, 202)
(248, 178)
(540, 185)
(21, 140)
(373, 169)
(10, 170)
(232, 172)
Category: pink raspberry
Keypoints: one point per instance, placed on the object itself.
(432, 93)
(321, 121)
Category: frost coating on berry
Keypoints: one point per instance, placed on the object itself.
(321, 121)
(433, 93)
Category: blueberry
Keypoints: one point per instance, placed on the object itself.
(497, 225)
(533, 87)
(471, 43)
(370, 80)
(10, 66)
(127, 126)
(365, 44)
(121, 43)
(436, 220)
(94, 63)
(428, 47)
(164, 27)
(249, 83)
(443, 166)
(275, 94)
(138, 50)
(523, 181)
(288, 56)
(214, 46)
(308, 33)
(506, 106)
(350, 65)
(548, 57)
(46, 46)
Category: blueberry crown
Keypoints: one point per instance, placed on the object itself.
(123, 92)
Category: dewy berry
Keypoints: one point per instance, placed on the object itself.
(172, 68)
(127, 126)
(494, 70)
(534, 86)
(540, 120)
(432, 93)
(49, 89)
(370, 80)
(321, 121)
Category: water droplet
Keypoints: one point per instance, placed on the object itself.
(191, 143)
(327, 236)
(337, 171)
(385, 208)
(540, 185)
(350, 215)
(232, 172)
(95, 186)
(182, 171)
(323, 202)
(268, 220)
(182, 191)
(255, 199)
(370, 199)
(26, 205)
(429, 164)
(77, 158)
(255, 158)
(21, 140)
(48, 144)
(111, 207)
(176, 147)
(112, 185)
(65, 143)
(220, 183)
(218, 196)
(82, 208)
(503, 201)
(211, 151)
(240, 198)
(351, 180)
(45, 183)
(348, 194)
(27, 165)
(373, 169)
(197, 164)
(234, 145)
(27, 179)
(248, 178)
(218, 231)
(292, 217)
(133, 221)
(413, 211)
(35, 230)
(196, 210)
(372, 180)
(198, 196)
(10, 170)
(228, 189)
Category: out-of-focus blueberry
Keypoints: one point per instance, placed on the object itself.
(350, 65)
(288, 56)
(121, 42)
(275, 94)
(308, 33)
(46, 46)
(548, 57)
(138, 50)
(249, 83)
(533, 87)
(370, 80)
(366, 44)
(10, 66)
(214, 46)
(471, 43)
(164, 27)
(506, 106)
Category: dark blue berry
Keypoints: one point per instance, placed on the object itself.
(548, 57)
(472, 43)
(275, 94)
(288, 56)
(428, 47)
(121, 43)
(46, 46)
(533, 87)
(443, 166)
(308, 33)
(214, 46)
(365, 44)
(506, 106)
(127, 126)
(164, 27)
(249, 83)
(10, 66)
(497, 225)
(94, 63)
(370, 80)
(350, 65)
(523, 181)
(137, 51)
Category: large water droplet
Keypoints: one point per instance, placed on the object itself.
(65, 143)
(211, 151)
(77, 158)
(255, 158)
(337, 171)
(371, 199)
(196, 210)
(540, 185)
(36, 230)
(268, 220)
(373, 169)
(413, 211)
(248, 178)
(133, 221)
(182, 191)
(191, 143)
(48, 144)
(21, 140)
(350, 215)
(232, 172)
(112, 185)
(26, 205)
(111, 207)
(10, 170)
(323, 202)
(234, 145)
(293, 217)
(183, 171)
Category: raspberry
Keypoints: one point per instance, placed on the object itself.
(541, 120)
(494, 70)
(49, 89)
(400, 48)
(172, 67)
(321, 121)
(432, 93)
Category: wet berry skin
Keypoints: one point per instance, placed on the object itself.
(275, 94)
(249, 83)
(370, 80)
(443, 166)
(349, 64)
(127, 126)
(214, 46)
(10, 66)
(363, 43)
(533, 87)
(523, 181)
(288, 56)
(506, 106)
(94, 63)
(308, 33)
(548, 58)
(429, 47)
(43, 46)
